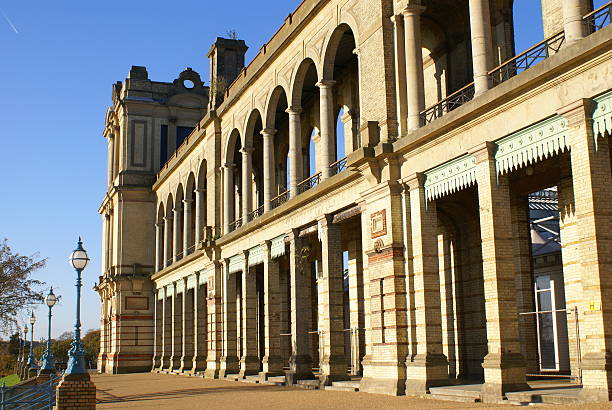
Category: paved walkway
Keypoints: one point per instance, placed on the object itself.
(157, 391)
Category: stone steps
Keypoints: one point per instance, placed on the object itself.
(556, 396)
(465, 394)
(276, 381)
(349, 385)
(308, 384)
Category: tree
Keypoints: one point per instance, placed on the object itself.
(18, 291)
(91, 341)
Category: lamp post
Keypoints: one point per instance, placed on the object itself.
(48, 363)
(23, 352)
(31, 361)
(76, 360)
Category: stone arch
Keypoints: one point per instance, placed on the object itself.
(234, 140)
(250, 126)
(299, 80)
(272, 106)
(331, 47)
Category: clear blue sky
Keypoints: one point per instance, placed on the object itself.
(56, 75)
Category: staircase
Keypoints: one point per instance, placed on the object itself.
(349, 385)
(469, 393)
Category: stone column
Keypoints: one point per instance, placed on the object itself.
(591, 170)
(156, 328)
(105, 232)
(401, 88)
(229, 360)
(356, 304)
(482, 49)
(295, 149)
(427, 366)
(165, 351)
(214, 322)
(247, 182)
(168, 241)
(175, 356)
(504, 365)
(187, 329)
(228, 197)
(331, 305)
(300, 362)
(573, 24)
(200, 215)
(328, 126)
(111, 162)
(272, 363)
(187, 234)
(159, 247)
(268, 167)
(176, 233)
(249, 362)
(198, 362)
(414, 64)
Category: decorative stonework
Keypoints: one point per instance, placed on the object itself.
(277, 247)
(451, 177)
(378, 224)
(236, 263)
(137, 303)
(191, 282)
(533, 144)
(602, 115)
(256, 255)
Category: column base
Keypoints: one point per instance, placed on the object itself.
(596, 377)
(197, 365)
(333, 369)
(186, 363)
(249, 366)
(272, 366)
(229, 365)
(503, 373)
(300, 369)
(425, 371)
(390, 387)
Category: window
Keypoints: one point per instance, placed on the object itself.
(163, 146)
(181, 134)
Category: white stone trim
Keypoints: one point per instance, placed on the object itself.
(277, 247)
(532, 144)
(256, 255)
(236, 263)
(602, 115)
(450, 177)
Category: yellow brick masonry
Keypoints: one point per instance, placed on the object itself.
(591, 172)
(504, 365)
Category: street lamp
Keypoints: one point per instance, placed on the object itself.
(25, 342)
(48, 363)
(76, 361)
(31, 362)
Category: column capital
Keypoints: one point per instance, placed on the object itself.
(200, 190)
(168, 218)
(576, 113)
(484, 151)
(177, 208)
(228, 165)
(397, 19)
(268, 132)
(187, 201)
(293, 110)
(325, 84)
(246, 150)
(412, 9)
(293, 234)
(414, 181)
(325, 221)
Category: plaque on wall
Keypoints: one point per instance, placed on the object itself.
(378, 223)
(137, 303)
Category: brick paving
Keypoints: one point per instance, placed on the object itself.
(157, 391)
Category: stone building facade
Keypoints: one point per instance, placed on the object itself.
(354, 203)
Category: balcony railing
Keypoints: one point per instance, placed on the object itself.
(279, 200)
(256, 213)
(456, 99)
(338, 166)
(236, 224)
(309, 183)
(598, 19)
(527, 59)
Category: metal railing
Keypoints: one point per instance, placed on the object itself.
(456, 99)
(256, 213)
(309, 183)
(40, 396)
(236, 224)
(338, 166)
(598, 19)
(279, 200)
(527, 59)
